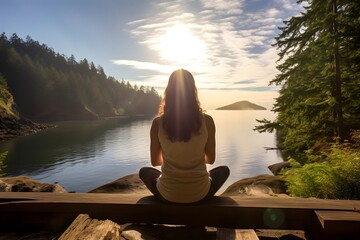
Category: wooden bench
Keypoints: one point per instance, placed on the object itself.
(334, 221)
(57, 211)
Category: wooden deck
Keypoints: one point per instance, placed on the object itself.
(333, 219)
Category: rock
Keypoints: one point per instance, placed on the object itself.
(26, 184)
(4, 187)
(277, 167)
(261, 185)
(128, 184)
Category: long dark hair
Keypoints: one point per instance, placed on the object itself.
(180, 107)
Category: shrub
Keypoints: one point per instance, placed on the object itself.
(2, 165)
(338, 177)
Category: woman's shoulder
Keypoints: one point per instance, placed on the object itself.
(156, 120)
(155, 126)
(207, 117)
(208, 120)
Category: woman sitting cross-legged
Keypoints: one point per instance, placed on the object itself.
(182, 142)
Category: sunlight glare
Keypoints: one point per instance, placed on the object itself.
(181, 46)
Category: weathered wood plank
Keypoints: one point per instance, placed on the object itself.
(326, 217)
(235, 234)
(54, 215)
(83, 227)
(96, 198)
(339, 221)
(59, 210)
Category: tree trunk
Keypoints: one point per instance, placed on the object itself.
(338, 113)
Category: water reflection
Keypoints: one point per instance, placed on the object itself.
(78, 154)
(84, 155)
(241, 148)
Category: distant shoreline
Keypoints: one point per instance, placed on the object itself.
(23, 127)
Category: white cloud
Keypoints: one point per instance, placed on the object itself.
(288, 4)
(264, 32)
(145, 65)
(136, 22)
(272, 12)
(236, 43)
(222, 4)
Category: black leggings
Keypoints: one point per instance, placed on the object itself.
(218, 176)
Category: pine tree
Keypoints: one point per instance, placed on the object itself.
(317, 53)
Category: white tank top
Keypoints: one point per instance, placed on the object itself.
(184, 176)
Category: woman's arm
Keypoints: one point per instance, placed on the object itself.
(155, 147)
(210, 144)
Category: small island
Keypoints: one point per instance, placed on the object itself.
(242, 105)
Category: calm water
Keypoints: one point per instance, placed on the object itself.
(84, 155)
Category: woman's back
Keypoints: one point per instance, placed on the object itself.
(184, 175)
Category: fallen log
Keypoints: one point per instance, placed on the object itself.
(84, 227)
(236, 234)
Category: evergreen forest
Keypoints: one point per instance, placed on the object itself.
(48, 86)
(318, 108)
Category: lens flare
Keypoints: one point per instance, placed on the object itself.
(273, 218)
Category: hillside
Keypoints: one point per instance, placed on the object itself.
(11, 124)
(7, 105)
(48, 86)
(242, 105)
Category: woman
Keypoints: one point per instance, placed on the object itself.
(182, 142)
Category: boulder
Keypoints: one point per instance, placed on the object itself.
(128, 184)
(277, 167)
(261, 185)
(26, 184)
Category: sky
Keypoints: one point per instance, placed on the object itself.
(226, 44)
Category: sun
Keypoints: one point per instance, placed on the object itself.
(180, 45)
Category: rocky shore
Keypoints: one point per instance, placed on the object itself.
(26, 184)
(11, 127)
(260, 185)
(264, 185)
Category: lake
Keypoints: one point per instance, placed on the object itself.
(81, 156)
